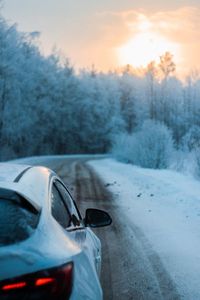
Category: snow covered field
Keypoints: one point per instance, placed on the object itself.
(165, 205)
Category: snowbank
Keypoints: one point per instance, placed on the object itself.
(42, 159)
(165, 205)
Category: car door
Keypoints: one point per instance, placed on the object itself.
(68, 215)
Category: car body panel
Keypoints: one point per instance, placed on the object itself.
(51, 245)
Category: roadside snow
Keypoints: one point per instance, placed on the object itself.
(35, 160)
(165, 205)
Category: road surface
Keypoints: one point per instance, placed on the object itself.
(131, 269)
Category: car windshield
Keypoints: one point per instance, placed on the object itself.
(18, 218)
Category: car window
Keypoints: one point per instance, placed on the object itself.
(58, 208)
(68, 200)
(18, 219)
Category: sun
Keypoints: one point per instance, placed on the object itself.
(145, 47)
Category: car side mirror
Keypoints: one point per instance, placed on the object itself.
(96, 218)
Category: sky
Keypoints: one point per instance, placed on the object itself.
(112, 33)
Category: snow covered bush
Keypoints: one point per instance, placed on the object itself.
(155, 145)
(190, 149)
(151, 146)
(197, 160)
(122, 147)
(191, 140)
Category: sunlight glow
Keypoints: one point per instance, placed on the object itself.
(145, 47)
(143, 23)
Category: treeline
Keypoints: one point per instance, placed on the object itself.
(47, 108)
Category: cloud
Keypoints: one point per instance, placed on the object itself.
(180, 26)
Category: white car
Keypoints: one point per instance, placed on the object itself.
(47, 251)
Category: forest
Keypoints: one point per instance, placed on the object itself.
(144, 116)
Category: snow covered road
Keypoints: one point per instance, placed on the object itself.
(152, 249)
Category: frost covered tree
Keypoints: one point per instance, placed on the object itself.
(128, 100)
(98, 112)
(151, 81)
(151, 146)
(166, 65)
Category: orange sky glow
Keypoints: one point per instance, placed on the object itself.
(146, 37)
(110, 39)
